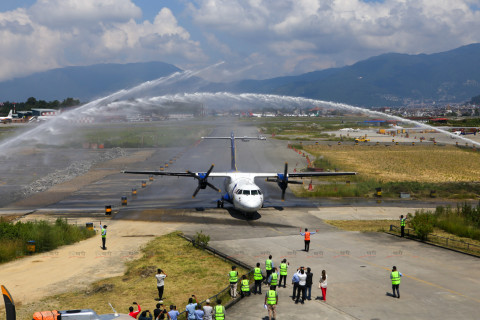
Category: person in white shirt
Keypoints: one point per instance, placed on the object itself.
(160, 283)
(323, 285)
(302, 276)
(207, 310)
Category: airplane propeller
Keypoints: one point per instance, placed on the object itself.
(202, 181)
(282, 181)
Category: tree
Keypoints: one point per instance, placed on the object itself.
(31, 102)
(422, 223)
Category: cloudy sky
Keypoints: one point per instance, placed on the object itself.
(255, 38)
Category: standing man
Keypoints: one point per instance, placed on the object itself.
(283, 273)
(190, 308)
(395, 277)
(258, 277)
(271, 301)
(302, 276)
(219, 311)
(233, 276)
(104, 236)
(245, 288)
(307, 234)
(268, 266)
(402, 225)
(308, 286)
(160, 283)
(273, 279)
(295, 281)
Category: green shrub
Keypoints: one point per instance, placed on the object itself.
(422, 223)
(201, 240)
(47, 236)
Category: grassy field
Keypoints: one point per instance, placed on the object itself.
(190, 271)
(145, 136)
(305, 129)
(404, 163)
(127, 135)
(451, 172)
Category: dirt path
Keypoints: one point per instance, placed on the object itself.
(76, 266)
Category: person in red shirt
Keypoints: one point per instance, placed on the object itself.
(134, 314)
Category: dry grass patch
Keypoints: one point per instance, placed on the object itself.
(190, 271)
(362, 225)
(436, 164)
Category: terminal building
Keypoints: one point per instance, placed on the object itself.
(44, 112)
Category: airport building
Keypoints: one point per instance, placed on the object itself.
(44, 112)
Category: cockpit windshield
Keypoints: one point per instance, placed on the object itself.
(246, 192)
(254, 192)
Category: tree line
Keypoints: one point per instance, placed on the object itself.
(33, 103)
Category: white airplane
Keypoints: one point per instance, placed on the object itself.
(7, 118)
(241, 190)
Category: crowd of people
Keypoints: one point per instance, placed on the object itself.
(194, 311)
(302, 281)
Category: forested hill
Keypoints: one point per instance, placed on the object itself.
(388, 79)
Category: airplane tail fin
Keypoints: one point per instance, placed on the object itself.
(9, 304)
(10, 113)
(233, 165)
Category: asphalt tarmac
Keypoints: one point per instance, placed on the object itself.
(437, 283)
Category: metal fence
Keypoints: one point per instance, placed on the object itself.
(447, 242)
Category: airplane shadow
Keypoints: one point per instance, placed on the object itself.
(243, 216)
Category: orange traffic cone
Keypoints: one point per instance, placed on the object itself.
(310, 186)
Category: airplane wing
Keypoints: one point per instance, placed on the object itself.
(202, 177)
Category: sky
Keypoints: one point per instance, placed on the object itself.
(255, 39)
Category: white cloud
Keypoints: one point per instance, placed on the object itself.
(76, 13)
(303, 34)
(57, 33)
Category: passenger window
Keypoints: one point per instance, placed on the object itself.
(246, 192)
(254, 192)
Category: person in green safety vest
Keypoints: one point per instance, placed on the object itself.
(273, 279)
(395, 277)
(283, 273)
(104, 236)
(258, 277)
(271, 301)
(233, 277)
(403, 222)
(219, 311)
(245, 288)
(268, 267)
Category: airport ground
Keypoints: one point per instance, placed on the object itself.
(437, 283)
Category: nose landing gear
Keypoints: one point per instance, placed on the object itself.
(220, 204)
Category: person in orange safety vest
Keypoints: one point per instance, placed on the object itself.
(307, 235)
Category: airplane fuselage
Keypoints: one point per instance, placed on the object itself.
(242, 192)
